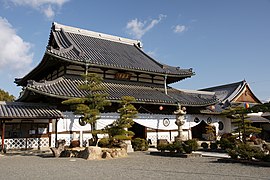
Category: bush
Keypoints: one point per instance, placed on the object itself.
(259, 155)
(213, 146)
(178, 147)
(104, 142)
(162, 147)
(233, 153)
(187, 148)
(245, 151)
(225, 143)
(204, 145)
(193, 144)
(122, 137)
(139, 144)
(171, 147)
(266, 158)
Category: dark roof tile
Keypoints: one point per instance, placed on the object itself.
(67, 87)
(20, 110)
(87, 46)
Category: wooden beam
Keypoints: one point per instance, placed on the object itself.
(3, 135)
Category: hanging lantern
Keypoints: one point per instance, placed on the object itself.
(212, 107)
(160, 108)
(246, 105)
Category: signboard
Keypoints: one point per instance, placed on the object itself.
(122, 76)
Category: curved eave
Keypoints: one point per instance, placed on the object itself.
(27, 90)
(83, 63)
(23, 81)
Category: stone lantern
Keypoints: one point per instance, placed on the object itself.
(180, 112)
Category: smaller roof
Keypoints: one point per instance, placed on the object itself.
(257, 117)
(230, 92)
(266, 115)
(227, 91)
(66, 87)
(21, 110)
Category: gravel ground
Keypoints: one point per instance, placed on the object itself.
(138, 165)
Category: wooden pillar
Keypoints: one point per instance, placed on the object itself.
(3, 135)
(50, 132)
(56, 144)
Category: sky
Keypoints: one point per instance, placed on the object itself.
(223, 41)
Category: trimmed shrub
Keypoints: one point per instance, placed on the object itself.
(178, 147)
(122, 137)
(104, 142)
(204, 145)
(193, 144)
(259, 155)
(213, 146)
(171, 147)
(233, 153)
(187, 148)
(266, 158)
(225, 143)
(161, 147)
(245, 151)
(139, 144)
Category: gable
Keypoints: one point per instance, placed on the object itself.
(246, 95)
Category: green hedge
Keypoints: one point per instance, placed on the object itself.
(139, 144)
(204, 145)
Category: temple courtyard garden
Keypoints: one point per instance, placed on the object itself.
(138, 165)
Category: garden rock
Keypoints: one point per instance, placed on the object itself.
(58, 150)
(91, 153)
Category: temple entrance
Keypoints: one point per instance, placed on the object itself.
(202, 131)
(139, 130)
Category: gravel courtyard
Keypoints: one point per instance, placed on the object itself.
(138, 165)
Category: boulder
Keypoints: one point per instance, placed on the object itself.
(60, 147)
(90, 153)
(106, 155)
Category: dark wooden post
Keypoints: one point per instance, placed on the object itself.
(3, 135)
(50, 133)
(56, 144)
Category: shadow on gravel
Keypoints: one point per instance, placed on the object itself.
(38, 153)
(244, 162)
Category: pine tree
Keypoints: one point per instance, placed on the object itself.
(261, 107)
(119, 128)
(90, 105)
(5, 96)
(239, 118)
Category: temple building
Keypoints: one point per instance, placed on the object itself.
(126, 71)
(233, 95)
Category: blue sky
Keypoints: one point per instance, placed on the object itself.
(223, 41)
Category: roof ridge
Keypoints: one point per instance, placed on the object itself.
(223, 85)
(197, 91)
(44, 82)
(59, 27)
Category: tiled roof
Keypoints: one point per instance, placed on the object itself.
(83, 46)
(227, 91)
(20, 110)
(67, 87)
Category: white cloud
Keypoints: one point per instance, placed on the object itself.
(179, 28)
(47, 7)
(138, 28)
(49, 12)
(15, 55)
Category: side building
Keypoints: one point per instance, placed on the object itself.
(233, 95)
